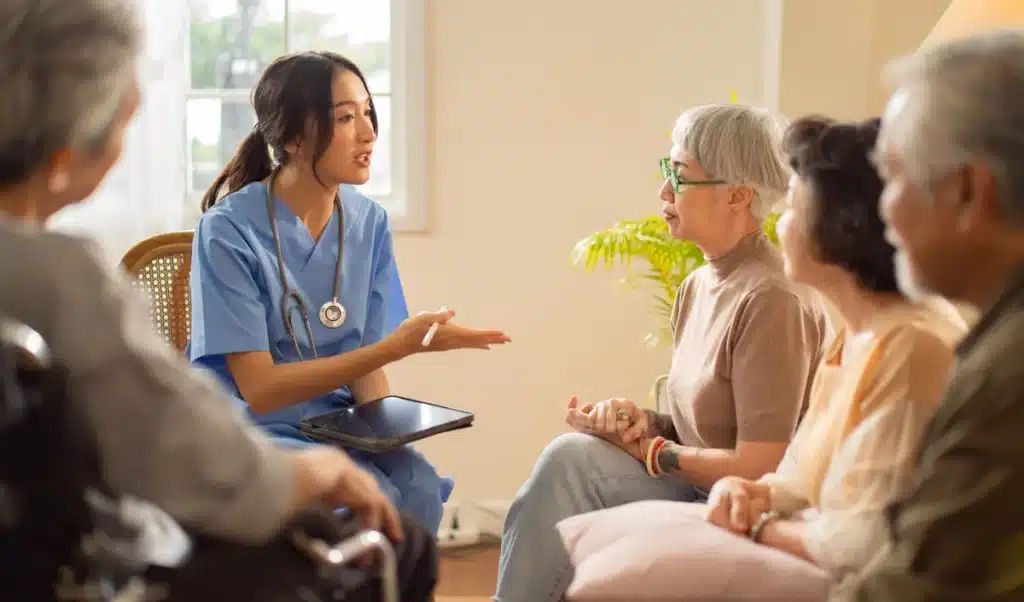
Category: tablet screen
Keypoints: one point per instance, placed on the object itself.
(388, 418)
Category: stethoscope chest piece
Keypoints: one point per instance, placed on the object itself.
(332, 314)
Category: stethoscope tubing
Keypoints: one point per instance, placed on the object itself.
(290, 296)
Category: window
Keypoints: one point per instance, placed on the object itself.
(230, 43)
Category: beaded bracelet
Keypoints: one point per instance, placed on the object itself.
(651, 458)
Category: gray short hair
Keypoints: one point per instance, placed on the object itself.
(739, 144)
(965, 101)
(64, 67)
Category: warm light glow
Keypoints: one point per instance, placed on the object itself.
(968, 17)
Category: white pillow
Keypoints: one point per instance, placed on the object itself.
(666, 551)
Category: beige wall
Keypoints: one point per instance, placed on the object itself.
(546, 120)
(833, 51)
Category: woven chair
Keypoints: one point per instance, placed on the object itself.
(160, 267)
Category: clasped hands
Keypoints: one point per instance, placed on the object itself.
(734, 503)
(618, 421)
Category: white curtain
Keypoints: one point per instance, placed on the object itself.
(145, 192)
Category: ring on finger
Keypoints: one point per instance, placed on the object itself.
(623, 416)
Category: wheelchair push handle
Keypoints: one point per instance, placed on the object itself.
(352, 548)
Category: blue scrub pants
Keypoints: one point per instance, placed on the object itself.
(404, 475)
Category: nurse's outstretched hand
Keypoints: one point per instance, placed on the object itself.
(412, 333)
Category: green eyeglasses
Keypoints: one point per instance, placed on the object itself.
(669, 172)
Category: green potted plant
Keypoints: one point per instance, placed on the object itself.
(668, 261)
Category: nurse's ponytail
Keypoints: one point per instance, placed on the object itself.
(251, 163)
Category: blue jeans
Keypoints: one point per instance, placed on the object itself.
(575, 473)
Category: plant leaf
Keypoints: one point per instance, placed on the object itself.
(668, 260)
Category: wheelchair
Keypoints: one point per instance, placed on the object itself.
(62, 535)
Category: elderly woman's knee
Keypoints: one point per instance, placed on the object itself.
(571, 453)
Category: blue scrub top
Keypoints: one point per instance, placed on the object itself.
(237, 290)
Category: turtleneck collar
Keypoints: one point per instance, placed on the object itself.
(751, 245)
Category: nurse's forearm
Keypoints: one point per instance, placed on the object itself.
(268, 387)
(372, 386)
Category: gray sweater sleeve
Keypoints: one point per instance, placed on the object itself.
(166, 432)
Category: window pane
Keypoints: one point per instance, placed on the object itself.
(358, 29)
(231, 41)
(214, 128)
(380, 168)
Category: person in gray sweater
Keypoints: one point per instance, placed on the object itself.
(167, 434)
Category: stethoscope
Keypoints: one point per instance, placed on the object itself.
(332, 313)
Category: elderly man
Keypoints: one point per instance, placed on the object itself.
(952, 154)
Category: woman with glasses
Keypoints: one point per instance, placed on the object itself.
(746, 343)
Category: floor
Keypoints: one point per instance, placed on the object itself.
(468, 575)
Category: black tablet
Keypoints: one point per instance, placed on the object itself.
(385, 424)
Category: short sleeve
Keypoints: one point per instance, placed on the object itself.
(387, 307)
(228, 311)
(777, 346)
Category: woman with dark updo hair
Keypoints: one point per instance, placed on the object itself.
(879, 383)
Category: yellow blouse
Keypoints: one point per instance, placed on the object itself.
(854, 451)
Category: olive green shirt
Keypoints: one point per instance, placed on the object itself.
(958, 536)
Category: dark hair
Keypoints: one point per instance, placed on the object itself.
(834, 159)
(293, 92)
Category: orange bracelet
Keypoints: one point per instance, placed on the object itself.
(651, 458)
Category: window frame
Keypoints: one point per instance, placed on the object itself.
(407, 203)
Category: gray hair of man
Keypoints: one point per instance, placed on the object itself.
(64, 68)
(739, 144)
(958, 102)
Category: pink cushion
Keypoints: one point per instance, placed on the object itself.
(667, 551)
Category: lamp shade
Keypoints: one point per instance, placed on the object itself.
(968, 17)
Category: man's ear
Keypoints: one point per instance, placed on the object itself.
(975, 191)
(58, 177)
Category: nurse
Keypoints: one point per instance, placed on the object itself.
(296, 300)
